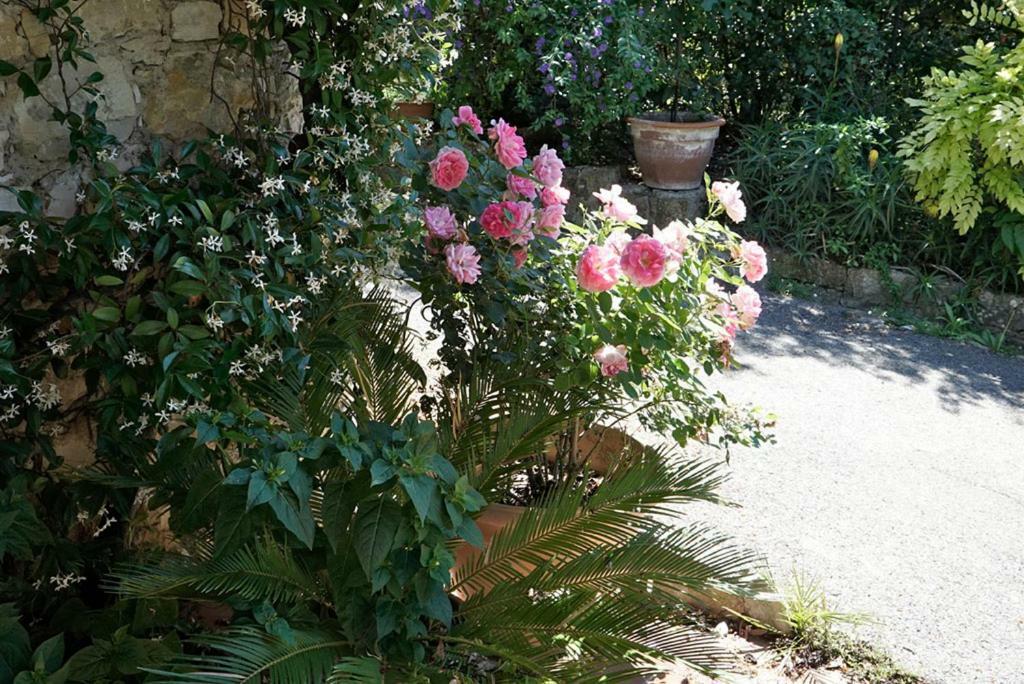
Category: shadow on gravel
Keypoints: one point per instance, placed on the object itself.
(848, 337)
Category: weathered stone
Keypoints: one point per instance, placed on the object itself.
(828, 274)
(35, 35)
(39, 143)
(116, 18)
(671, 205)
(13, 47)
(62, 195)
(864, 287)
(198, 20)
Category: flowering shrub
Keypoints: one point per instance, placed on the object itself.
(504, 277)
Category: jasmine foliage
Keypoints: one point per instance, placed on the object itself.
(966, 156)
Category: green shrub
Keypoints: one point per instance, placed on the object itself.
(966, 156)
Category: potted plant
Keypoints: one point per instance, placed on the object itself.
(673, 146)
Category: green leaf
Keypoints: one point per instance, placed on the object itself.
(108, 281)
(205, 209)
(41, 68)
(108, 314)
(298, 520)
(375, 532)
(206, 432)
(27, 85)
(421, 490)
(149, 328)
(188, 288)
(50, 654)
(7, 69)
(261, 490)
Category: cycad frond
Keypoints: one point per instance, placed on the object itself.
(250, 656)
(261, 571)
(625, 506)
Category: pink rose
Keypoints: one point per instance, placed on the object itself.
(612, 360)
(618, 241)
(463, 262)
(730, 322)
(466, 117)
(643, 261)
(440, 222)
(675, 238)
(731, 197)
(555, 195)
(508, 146)
(615, 206)
(753, 260)
(521, 186)
(549, 220)
(547, 167)
(519, 255)
(598, 268)
(747, 304)
(508, 220)
(449, 168)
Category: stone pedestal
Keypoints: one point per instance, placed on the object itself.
(659, 207)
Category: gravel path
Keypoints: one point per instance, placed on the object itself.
(897, 482)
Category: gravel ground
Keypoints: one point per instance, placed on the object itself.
(897, 482)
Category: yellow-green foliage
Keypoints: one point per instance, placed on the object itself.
(969, 146)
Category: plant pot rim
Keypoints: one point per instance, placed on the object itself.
(645, 120)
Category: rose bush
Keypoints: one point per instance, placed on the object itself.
(598, 306)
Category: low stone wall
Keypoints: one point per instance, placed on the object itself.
(867, 287)
(659, 207)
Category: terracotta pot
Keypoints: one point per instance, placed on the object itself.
(413, 110)
(673, 155)
(494, 518)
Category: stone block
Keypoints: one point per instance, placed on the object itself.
(671, 205)
(13, 47)
(35, 34)
(110, 19)
(192, 21)
(828, 274)
(864, 287)
(640, 196)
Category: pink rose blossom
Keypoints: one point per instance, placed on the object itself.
(521, 186)
(643, 261)
(598, 268)
(612, 360)
(615, 206)
(463, 262)
(731, 197)
(547, 167)
(747, 304)
(618, 241)
(753, 260)
(440, 222)
(508, 145)
(730, 322)
(549, 220)
(508, 220)
(519, 255)
(449, 168)
(466, 117)
(675, 238)
(555, 195)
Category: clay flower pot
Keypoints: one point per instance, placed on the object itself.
(673, 155)
(413, 110)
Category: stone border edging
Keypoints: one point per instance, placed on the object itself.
(865, 287)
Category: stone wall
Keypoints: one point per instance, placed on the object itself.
(659, 207)
(161, 66)
(867, 287)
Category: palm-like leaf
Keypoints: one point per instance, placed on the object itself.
(264, 570)
(250, 656)
(586, 588)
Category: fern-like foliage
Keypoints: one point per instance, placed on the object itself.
(602, 579)
(250, 656)
(262, 571)
(1008, 14)
(967, 154)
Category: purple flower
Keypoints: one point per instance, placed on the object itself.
(544, 68)
(539, 45)
(558, 122)
(458, 44)
(549, 89)
(608, 20)
(629, 85)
